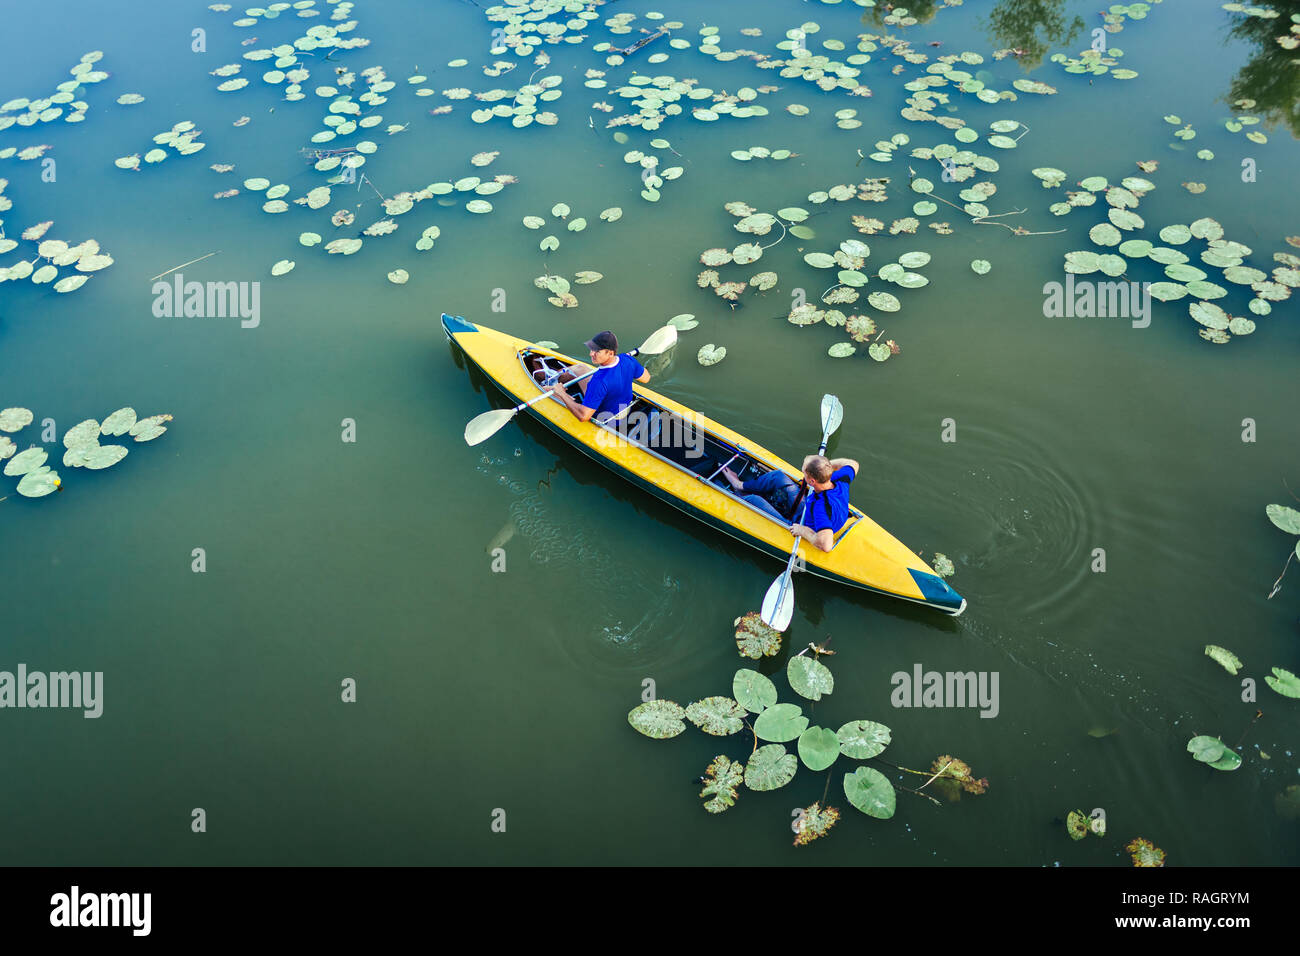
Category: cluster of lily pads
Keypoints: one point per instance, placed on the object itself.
(559, 287)
(182, 137)
(37, 479)
(652, 177)
(769, 767)
(46, 109)
(562, 211)
(1184, 279)
(85, 256)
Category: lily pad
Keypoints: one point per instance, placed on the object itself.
(12, 419)
(754, 639)
(818, 748)
(780, 723)
(1231, 663)
(118, 423)
(711, 354)
(981, 266)
(33, 458)
(282, 267)
(1286, 518)
(1282, 681)
(39, 483)
(659, 719)
(752, 690)
(770, 768)
(722, 780)
(871, 792)
(717, 716)
(863, 739)
(809, 677)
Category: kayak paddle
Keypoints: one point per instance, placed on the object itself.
(778, 603)
(484, 426)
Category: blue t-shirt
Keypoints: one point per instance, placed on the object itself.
(610, 389)
(834, 500)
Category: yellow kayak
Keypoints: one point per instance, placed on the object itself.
(677, 454)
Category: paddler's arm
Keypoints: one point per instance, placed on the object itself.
(645, 377)
(824, 539)
(838, 463)
(581, 412)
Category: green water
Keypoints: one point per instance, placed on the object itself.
(479, 691)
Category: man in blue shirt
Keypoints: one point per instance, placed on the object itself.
(826, 506)
(609, 391)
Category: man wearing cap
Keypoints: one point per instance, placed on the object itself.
(609, 391)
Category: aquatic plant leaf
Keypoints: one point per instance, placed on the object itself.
(282, 267)
(841, 350)
(12, 419)
(884, 301)
(399, 277)
(1076, 824)
(770, 768)
(780, 723)
(981, 266)
(863, 739)
(1230, 760)
(118, 423)
(818, 748)
(809, 677)
(814, 823)
(659, 719)
(943, 565)
(870, 791)
(38, 484)
(879, 351)
(718, 716)
(722, 780)
(96, 457)
(683, 323)
(746, 253)
(1167, 291)
(763, 281)
(147, 429)
(711, 354)
(1104, 234)
(1145, 853)
(1282, 681)
(612, 214)
(754, 639)
(33, 458)
(1231, 663)
(1206, 749)
(1208, 314)
(1288, 519)
(83, 433)
(752, 690)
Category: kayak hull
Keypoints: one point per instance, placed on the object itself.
(864, 555)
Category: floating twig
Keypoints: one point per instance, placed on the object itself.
(184, 264)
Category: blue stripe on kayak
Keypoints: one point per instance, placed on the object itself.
(454, 323)
(936, 589)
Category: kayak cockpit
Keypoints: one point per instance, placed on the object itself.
(672, 438)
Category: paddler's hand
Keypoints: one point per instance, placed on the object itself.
(558, 391)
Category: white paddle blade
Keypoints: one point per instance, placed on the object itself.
(778, 603)
(832, 414)
(483, 427)
(660, 341)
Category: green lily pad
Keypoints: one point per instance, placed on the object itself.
(1282, 681)
(753, 691)
(884, 301)
(283, 266)
(1206, 749)
(711, 354)
(33, 458)
(754, 639)
(38, 484)
(981, 266)
(12, 419)
(841, 350)
(1076, 824)
(780, 723)
(809, 677)
(659, 719)
(818, 260)
(118, 423)
(870, 791)
(83, 433)
(770, 768)
(1231, 663)
(1286, 518)
(1104, 234)
(879, 351)
(722, 780)
(718, 716)
(863, 739)
(818, 748)
(914, 260)
(1175, 235)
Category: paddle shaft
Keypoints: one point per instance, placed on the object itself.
(803, 489)
(546, 393)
